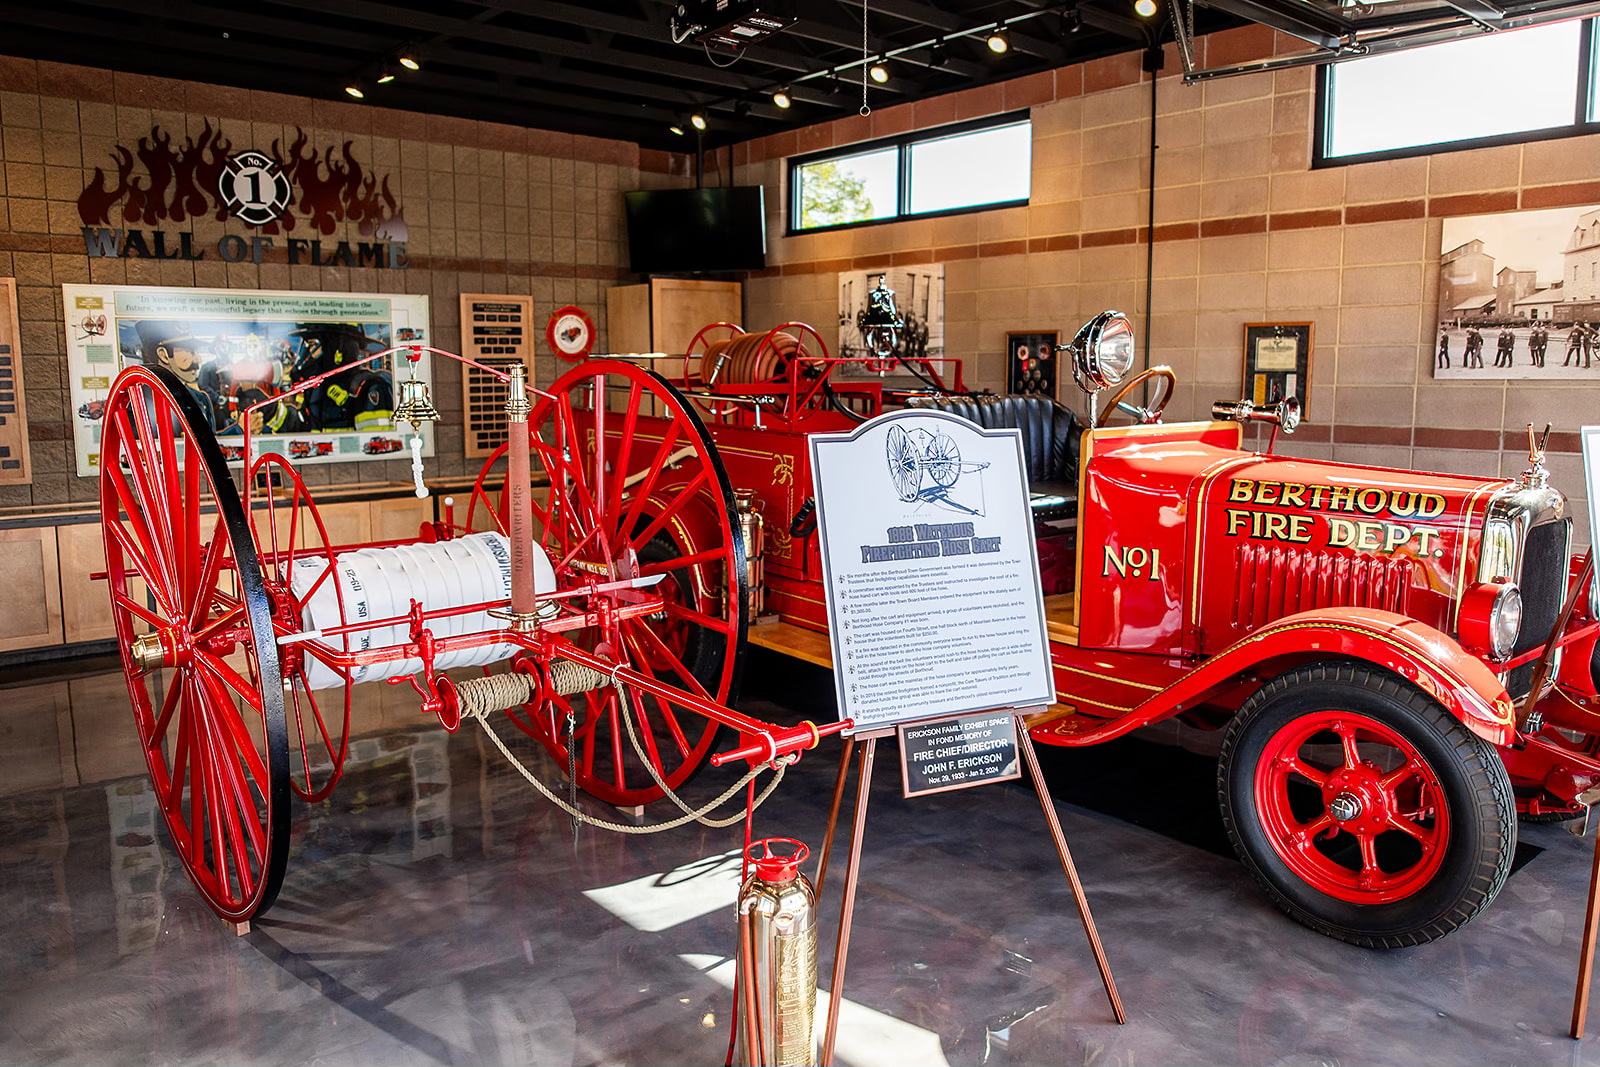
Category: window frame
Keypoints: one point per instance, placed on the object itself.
(1587, 99)
(902, 143)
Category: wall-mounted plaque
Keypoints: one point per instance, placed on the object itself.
(1277, 362)
(496, 330)
(15, 468)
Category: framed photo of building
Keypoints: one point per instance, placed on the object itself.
(1277, 362)
(1031, 363)
(1519, 295)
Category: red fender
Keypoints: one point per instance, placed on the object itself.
(1428, 658)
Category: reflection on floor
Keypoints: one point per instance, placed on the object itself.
(436, 910)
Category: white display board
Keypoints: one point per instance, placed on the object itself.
(234, 347)
(930, 570)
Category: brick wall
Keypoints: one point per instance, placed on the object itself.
(1244, 232)
(490, 208)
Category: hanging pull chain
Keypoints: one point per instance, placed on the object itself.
(865, 110)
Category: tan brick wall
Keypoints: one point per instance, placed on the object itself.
(1244, 232)
(490, 208)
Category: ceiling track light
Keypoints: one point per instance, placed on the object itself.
(698, 120)
(781, 97)
(879, 71)
(1144, 8)
(385, 76)
(1071, 19)
(939, 54)
(407, 60)
(998, 42)
(677, 127)
(355, 90)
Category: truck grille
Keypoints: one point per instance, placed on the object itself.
(1275, 581)
(1543, 584)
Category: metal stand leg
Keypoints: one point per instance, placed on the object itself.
(1025, 741)
(833, 813)
(1591, 922)
(847, 910)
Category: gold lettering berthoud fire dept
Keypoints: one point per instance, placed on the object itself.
(1366, 523)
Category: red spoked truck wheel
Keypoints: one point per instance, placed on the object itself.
(194, 629)
(635, 490)
(295, 553)
(1363, 807)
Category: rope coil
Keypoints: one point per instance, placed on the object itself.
(481, 697)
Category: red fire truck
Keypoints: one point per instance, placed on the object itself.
(1390, 655)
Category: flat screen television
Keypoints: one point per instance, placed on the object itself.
(686, 231)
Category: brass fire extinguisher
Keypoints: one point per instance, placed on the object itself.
(777, 958)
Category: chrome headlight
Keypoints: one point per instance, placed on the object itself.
(1491, 618)
(1505, 621)
(1102, 352)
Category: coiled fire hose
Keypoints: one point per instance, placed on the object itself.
(481, 697)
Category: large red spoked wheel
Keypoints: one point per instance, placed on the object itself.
(296, 555)
(195, 632)
(636, 489)
(1367, 811)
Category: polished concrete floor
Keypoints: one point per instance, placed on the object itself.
(436, 910)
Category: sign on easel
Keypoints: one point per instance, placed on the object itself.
(930, 569)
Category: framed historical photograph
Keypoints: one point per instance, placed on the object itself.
(1519, 296)
(1031, 363)
(1277, 362)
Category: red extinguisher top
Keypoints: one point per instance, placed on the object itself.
(776, 859)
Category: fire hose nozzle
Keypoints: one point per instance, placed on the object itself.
(518, 406)
(782, 742)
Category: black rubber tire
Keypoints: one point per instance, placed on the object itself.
(1477, 792)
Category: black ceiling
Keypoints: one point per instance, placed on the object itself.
(603, 67)
(610, 68)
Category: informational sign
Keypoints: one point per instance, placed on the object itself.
(497, 331)
(15, 468)
(930, 570)
(1277, 362)
(958, 753)
(236, 349)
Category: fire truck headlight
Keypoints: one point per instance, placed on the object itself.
(1491, 618)
(1103, 351)
(1505, 620)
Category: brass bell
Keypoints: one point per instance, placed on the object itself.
(415, 407)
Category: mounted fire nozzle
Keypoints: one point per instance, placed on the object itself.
(524, 601)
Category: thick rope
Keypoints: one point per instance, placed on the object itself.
(481, 712)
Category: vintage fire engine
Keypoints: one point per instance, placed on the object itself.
(1400, 662)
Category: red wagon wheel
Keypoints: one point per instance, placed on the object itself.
(636, 489)
(197, 644)
(296, 555)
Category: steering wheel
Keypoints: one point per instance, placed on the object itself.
(1150, 414)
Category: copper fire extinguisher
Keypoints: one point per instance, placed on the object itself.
(777, 958)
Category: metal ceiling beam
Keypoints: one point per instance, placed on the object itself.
(1292, 17)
